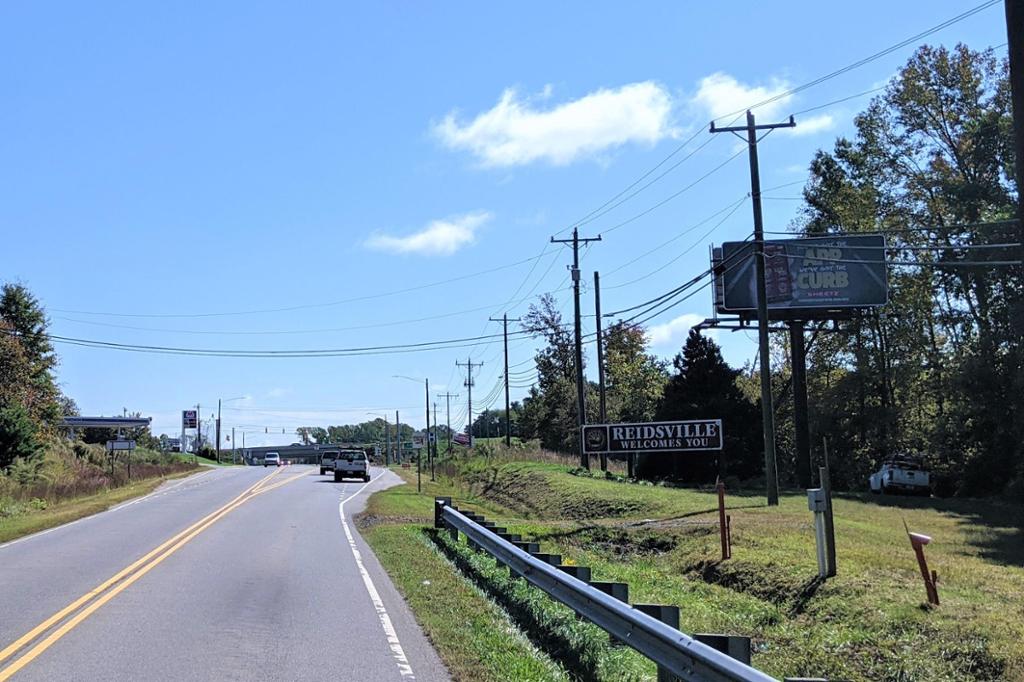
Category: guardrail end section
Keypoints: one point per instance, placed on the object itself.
(439, 504)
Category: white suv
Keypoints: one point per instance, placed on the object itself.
(272, 458)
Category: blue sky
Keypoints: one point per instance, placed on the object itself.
(208, 158)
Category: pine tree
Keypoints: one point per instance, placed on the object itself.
(704, 387)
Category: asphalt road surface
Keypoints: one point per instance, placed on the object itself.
(240, 573)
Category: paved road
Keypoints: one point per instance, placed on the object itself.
(257, 574)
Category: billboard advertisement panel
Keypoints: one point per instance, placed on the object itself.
(811, 273)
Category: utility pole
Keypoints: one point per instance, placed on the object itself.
(1015, 49)
(234, 457)
(600, 360)
(581, 414)
(398, 439)
(387, 441)
(767, 413)
(469, 365)
(199, 435)
(448, 405)
(508, 433)
(218, 430)
(426, 436)
(433, 445)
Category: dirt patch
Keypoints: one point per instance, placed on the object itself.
(764, 581)
(532, 493)
(616, 543)
(365, 521)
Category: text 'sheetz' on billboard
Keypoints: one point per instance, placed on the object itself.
(652, 437)
(809, 274)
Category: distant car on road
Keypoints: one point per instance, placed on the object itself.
(327, 461)
(901, 475)
(351, 464)
(272, 458)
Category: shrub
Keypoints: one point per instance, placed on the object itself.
(18, 437)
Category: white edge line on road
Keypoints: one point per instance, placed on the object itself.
(160, 491)
(105, 511)
(378, 604)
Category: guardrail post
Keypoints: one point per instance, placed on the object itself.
(553, 559)
(619, 591)
(669, 615)
(578, 572)
(736, 646)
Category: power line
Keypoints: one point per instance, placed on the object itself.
(679, 236)
(866, 60)
(214, 352)
(306, 306)
(674, 195)
(692, 246)
(597, 214)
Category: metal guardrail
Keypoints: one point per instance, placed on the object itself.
(672, 650)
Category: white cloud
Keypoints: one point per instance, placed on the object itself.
(438, 238)
(812, 125)
(514, 132)
(674, 332)
(720, 94)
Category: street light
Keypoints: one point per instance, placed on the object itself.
(419, 457)
(241, 397)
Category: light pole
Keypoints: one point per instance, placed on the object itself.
(419, 455)
(241, 397)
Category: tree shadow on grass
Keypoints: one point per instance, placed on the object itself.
(994, 527)
(543, 634)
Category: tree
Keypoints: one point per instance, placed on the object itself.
(634, 380)
(15, 370)
(24, 320)
(18, 437)
(549, 411)
(939, 370)
(705, 387)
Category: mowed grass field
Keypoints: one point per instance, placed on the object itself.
(871, 622)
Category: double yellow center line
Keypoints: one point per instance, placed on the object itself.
(120, 581)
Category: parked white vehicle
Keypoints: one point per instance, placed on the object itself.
(901, 475)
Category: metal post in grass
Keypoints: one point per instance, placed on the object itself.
(723, 523)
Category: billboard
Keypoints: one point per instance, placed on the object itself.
(807, 274)
(653, 437)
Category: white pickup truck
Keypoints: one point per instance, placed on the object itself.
(351, 464)
(901, 475)
(327, 461)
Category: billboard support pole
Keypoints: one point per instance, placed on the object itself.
(798, 353)
(767, 412)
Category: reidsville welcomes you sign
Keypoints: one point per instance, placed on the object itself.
(653, 437)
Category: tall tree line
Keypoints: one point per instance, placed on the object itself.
(938, 372)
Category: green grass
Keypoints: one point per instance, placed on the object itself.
(187, 457)
(868, 623)
(56, 514)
